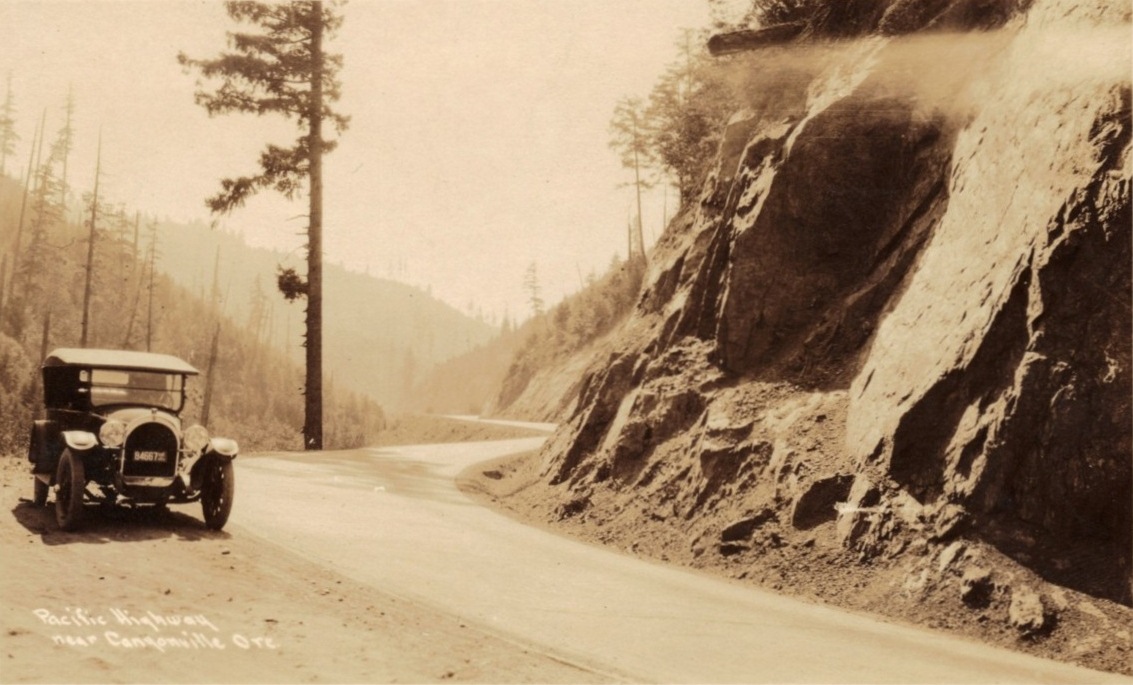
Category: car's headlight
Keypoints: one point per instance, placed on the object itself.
(112, 433)
(196, 438)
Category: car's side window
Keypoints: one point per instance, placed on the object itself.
(61, 388)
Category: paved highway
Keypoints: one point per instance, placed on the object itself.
(393, 518)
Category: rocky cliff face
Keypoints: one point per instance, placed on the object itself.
(898, 318)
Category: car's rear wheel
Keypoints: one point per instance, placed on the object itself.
(216, 492)
(72, 484)
(41, 489)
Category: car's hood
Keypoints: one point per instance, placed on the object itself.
(131, 415)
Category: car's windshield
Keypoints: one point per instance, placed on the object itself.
(109, 386)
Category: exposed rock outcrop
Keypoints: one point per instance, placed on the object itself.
(897, 321)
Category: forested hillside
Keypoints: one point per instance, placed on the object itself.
(135, 305)
(499, 377)
(381, 337)
(567, 329)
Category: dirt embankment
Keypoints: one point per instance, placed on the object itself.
(885, 360)
(146, 597)
(813, 566)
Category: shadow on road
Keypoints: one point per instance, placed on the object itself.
(114, 524)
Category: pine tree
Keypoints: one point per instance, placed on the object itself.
(629, 137)
(258, 321)
(16, 309)
(33, 165)
(8, 136)
(137, 275)
(46, 214)
(114, 275)
(687, 112)
(64, 144)
(284, 69)
(531, 286)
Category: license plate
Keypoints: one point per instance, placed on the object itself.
(149, 456)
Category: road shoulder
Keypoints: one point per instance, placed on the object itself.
(145, 596)
(1093, 633)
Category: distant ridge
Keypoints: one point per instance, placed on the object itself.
(381, 336)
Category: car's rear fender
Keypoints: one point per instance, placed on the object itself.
(45, 446)
(47, 443)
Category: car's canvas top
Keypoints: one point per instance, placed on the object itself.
(118, 359)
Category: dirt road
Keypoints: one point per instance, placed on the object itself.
(371, 566)
(98, 606)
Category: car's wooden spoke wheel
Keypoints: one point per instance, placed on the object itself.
(216, 492)
(71, 482)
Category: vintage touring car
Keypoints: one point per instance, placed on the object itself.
(114, 433)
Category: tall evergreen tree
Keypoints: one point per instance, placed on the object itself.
(687, 112)
(258, 311)
(8, 136)
(46, 213)
(629, 138)
(283, 68)
(64, 143)
(16, 322)
(533, 290)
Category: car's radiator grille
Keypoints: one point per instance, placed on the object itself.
(151, 450)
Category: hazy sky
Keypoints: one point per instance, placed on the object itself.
(477, 145)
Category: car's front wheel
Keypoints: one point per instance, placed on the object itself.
(71, 482)
(216, 492)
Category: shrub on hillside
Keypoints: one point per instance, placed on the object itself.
(18, 382)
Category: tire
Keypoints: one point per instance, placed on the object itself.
(70, 479)
(216, 492)
(41, 489)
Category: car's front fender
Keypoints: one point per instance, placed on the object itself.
(80, 441)
(219, 449)
(223, 447)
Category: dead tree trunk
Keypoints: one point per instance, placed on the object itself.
(84, 336)
(206, 402)
(149, 306)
